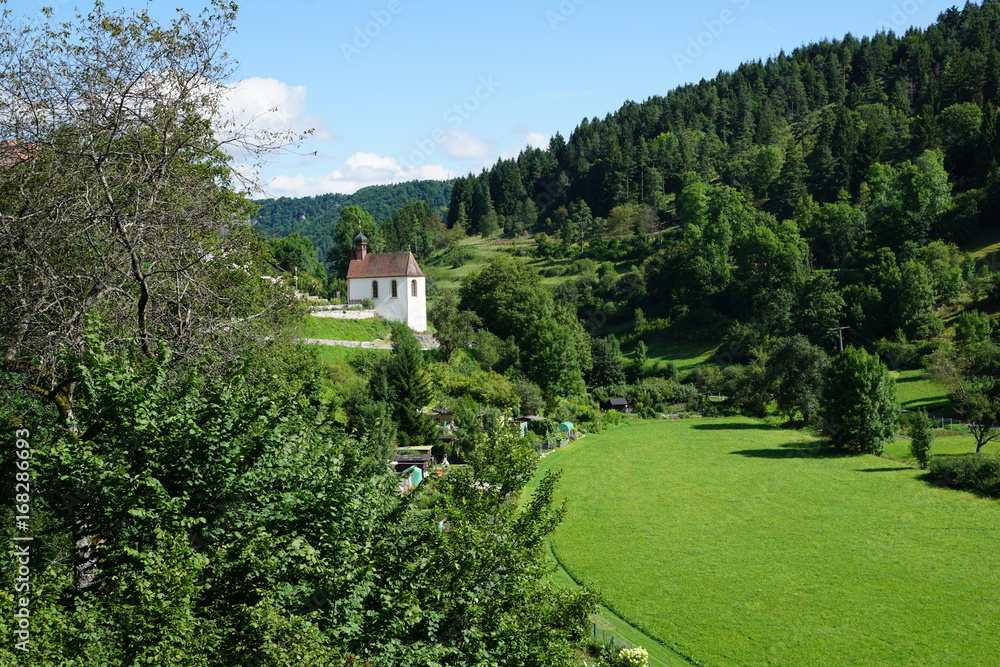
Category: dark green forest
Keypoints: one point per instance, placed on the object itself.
(317, 217)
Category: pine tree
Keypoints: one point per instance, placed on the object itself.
(405, 375)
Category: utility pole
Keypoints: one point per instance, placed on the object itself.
(840, 333)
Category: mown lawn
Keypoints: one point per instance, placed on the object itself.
(737, 543)
(947, 442)
(917, 391)
(328, 328)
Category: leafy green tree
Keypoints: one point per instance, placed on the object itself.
(795, 371)
(837, 230)
(921, 437)
(120, 203)
(973, 326)
(860, 409)
(476, 579)
(972, 376)
(819, 309)
(948, 267)
(495, 291)
(354, 220)
(550, 360)
(296, 255)
(453, 327)
(607, 370)
(745, 385)
(640, 357)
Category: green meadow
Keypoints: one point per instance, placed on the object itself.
(737, 543)
(328, 328)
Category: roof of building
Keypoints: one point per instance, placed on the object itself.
(619, 401)
(384, 265)
(411, 458)
(12, 153)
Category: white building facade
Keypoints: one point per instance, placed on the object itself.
(392, 280)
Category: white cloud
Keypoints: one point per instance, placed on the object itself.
(273, 106)
(531, 140)
(359, 170)
(462, 145)
(538, 140)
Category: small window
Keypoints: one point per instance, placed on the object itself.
(374, 289)
(413, 288)
(394, 290)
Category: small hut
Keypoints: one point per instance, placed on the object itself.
(620, 404)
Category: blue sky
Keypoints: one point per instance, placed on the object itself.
(404, 89)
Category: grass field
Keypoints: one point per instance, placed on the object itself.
(917, 391)
(328, 328)
(946, 443)
(483, 252)
(736, 543)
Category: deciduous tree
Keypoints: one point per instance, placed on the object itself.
(120, 199)
(860, 409)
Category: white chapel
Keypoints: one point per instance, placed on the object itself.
(392, 280)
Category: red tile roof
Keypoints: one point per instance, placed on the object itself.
(384, 265)
(12, 153)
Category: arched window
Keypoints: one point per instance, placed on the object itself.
(394, 291)
(374, 289)
(413, 288)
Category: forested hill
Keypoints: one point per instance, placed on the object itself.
(316, 217)
(814, 121)
(836, 167)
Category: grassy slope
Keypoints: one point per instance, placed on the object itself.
(917, 391)
(737, 543)
(484, 252)
(327, 328)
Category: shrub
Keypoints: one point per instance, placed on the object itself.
(632, 657)
(977, 473)
(921, 437)
(458, 257)
(612, 418)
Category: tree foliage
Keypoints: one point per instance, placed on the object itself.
(860, 410)
(120, 203)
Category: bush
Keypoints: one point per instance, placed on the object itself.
(921, 437)
(458, 257)
(978, 473)
(632, 657)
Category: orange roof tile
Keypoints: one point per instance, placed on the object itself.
(384, 265)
